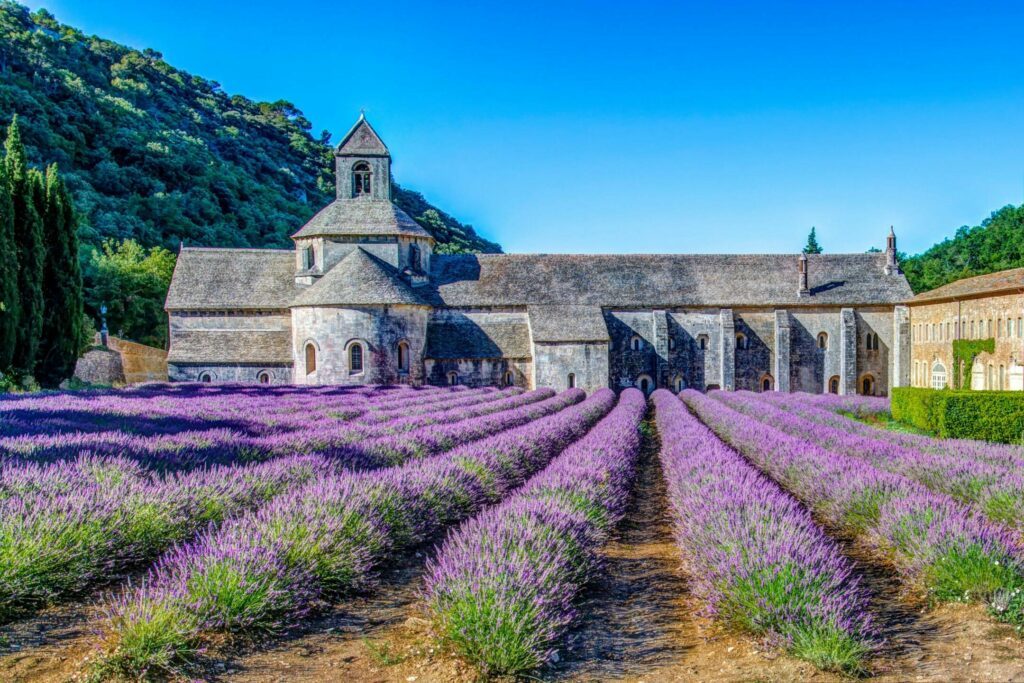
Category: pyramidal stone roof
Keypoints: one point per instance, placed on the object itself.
(218, 279)
(362, 140)
(359, 279)
(360, 217)
(1001, 282)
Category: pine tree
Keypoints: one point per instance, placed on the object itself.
(28, 195)
(10, 303)
(812, 243)
(62, 286)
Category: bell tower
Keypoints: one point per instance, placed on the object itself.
(362, 164)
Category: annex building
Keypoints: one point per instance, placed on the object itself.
(363, 298)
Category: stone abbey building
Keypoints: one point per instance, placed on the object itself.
(363, 298)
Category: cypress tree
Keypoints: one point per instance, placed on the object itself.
(10, 302)
(28, 194)
(62, 286)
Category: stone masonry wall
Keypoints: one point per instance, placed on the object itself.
(587, 361)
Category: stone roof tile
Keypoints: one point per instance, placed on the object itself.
(361, 216)
(231, 346)
(567, 323)
(979, 285)
(662, 280)
(216, 279)
(359, 279)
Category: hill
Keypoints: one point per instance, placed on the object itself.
(159, 155)
(996, 244)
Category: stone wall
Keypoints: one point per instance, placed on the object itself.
(587, 362)
(333, 330)
(254, 373)
(141, 363)
(480, 372)
(100, 365)
(934, 326)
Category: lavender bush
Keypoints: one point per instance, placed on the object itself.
(755, 555)
(502, 586)
(937, 543)
(323, 540)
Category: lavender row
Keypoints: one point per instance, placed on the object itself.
(263, 571)
(66, 527)
(502, 586)
(997, 491)
(852, 404)
(219, 445)
(98, 516)
(997, 454)
(937, 543)
(755, 555)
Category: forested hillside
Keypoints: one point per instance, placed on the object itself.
(996, 244)
(158, 155)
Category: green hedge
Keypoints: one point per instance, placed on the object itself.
(988, 415)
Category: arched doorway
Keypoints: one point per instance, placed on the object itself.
(833, 384)
(766, 383)
(645, 384)
(867, 385)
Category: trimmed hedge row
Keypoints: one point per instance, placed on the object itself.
(988, 415)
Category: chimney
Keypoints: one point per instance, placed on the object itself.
(804, 289)
(892, 266)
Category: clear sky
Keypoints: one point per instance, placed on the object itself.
(637, 126)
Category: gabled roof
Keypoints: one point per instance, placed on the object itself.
(359, 279)
(567, 323)
(362, 140)
(663, 280)
(1004, 281)
(466, 335)
(215, 279)
(361, 216)
(231, 346)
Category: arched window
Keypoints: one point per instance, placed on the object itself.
(361, 179)
(263, 377)
(833, 384)
(991, 377)
(645, 384)
(414, 258)
(571, 380)
(702, 342)
(867, 385)
(823, 340)
(741, 340)
(205, 377)
(403, 356)
(453, 378)
(310, 359)
(1002, 378)
(871, 341)
(636, 343)
(938, 375)
(355, 359)
(508, 379)
(678, 384)
(766, 383)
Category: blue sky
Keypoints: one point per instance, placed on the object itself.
(638, 126)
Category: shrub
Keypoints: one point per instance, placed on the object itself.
(988, 415)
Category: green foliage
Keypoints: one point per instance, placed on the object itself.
(62, 333)
(28, 195)
(132, 282)
(155, 154)
(988, 415)
(10, 304)
(812, 246)
(996, 244)
(964, 353)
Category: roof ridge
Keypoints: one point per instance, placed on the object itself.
(259, 250)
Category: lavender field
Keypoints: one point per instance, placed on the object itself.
(189, 531)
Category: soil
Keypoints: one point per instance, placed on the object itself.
(640, 623)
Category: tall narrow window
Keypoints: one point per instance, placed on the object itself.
(310, 359)
(509, 379)
(679, 384)
(766, 383)
(823, 340)
(361, 179)
(453, 379)
(571, 380)
(741, 340)
(403, 357)
(355, 359)
(833, 384)
(309, 257)
(414, 259)
(636, 343)
(702, 342)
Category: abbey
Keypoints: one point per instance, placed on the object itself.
(363, 299)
